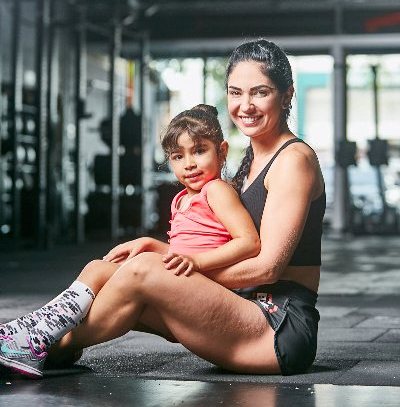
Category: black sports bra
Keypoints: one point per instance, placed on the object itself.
(308, 250)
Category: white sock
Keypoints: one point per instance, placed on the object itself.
(26, 322)
(57, 317)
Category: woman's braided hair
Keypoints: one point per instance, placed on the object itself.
(275, 65)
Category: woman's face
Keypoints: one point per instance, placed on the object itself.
(254, 103)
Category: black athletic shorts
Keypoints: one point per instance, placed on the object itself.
(290, 310)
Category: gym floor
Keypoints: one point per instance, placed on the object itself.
(357, 364)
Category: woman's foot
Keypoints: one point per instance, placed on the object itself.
(62, 358)
(23, 358)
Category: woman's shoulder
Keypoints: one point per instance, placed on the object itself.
(298, 155)
(297, 164)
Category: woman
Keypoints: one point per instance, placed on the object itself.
(257, 316)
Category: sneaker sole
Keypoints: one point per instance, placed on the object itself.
(21, 368)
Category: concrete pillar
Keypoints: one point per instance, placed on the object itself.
(80, 96)
(115, 49)
(42, 86)
(147, 137)
(340, 220)
(15, 114)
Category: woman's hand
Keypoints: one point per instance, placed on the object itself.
(180, 263)
(125, 251)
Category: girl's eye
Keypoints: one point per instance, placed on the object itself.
(176, 157)
(200, 151)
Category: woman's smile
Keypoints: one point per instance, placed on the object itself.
(250, 121)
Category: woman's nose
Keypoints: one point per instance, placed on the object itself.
(246, 103)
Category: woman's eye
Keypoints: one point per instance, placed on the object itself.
(176, 157)
(200, 151)
(234, 93)
(261, 93)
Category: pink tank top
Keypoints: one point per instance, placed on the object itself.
(195, 229)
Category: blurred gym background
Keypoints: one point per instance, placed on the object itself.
(87, 87)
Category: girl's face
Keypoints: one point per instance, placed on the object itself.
(194, 164)
(254, 103)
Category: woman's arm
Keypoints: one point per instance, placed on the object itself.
(245, 243)
(292, 183)
(127, 250)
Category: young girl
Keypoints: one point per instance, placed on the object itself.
(210, 229)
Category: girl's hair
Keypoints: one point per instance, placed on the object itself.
(275, 65)
(200, 122)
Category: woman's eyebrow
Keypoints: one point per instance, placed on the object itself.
(259, 87)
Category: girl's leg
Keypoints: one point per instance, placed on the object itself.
(206, 318)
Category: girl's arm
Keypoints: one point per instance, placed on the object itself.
(127, 250)
(245, 243)
(292, 183)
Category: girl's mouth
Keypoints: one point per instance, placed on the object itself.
(193, 176)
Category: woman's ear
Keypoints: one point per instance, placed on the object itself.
(287, 97)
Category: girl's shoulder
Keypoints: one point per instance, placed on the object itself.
(206, 186)
(215, 186)
(218, 190)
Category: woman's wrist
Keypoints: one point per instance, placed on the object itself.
(147, 243)
(150, 244)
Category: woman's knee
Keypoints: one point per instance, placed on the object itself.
(138, 271)
(96, 273)
(96, 267)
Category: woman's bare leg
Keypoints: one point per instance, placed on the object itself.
(208, 319)
(95, 274)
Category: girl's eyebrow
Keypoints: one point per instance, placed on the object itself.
(176, 150)
(200, 143)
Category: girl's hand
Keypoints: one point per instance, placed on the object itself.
(125, 251)
(181, 263)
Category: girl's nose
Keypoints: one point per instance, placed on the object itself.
(190, 163)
